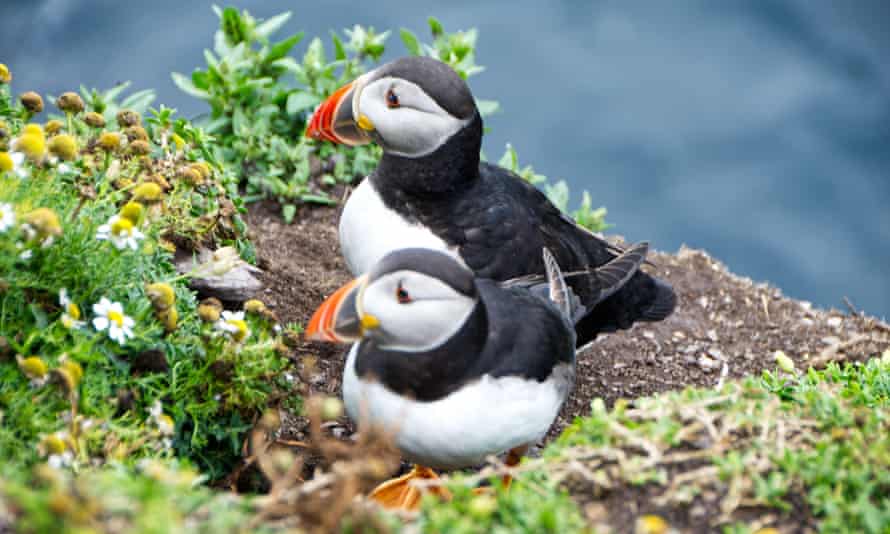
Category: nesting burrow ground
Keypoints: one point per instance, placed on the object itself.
(725, 326)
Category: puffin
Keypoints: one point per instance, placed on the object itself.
(431, 190)
(454, 367)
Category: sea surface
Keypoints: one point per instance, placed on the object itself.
(758, 130)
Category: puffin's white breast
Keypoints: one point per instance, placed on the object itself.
(369, 230)
(486, 417)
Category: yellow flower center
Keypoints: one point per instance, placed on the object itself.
(5, 162)
(122, 226)
(241, 325)
(73, 311)
(116, 317)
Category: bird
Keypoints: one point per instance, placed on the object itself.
(456, 367)
(431, 190)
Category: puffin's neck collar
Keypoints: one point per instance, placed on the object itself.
(431, 375)
(445, 169)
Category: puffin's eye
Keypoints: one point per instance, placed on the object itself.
(402, 296)
(392, 99)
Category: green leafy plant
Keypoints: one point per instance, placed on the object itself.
(261, 98)
(558, 193)
(106, 357)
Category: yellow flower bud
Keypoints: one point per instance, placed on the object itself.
(127, 118)
(160, 180)
(53, 127)
(5, 75)
(31, 101)
(136, 133)
(132, 211)
(94, 119)
(202, 167)
(161, 295)
(110, 141)
(33, 146)
(70, 102)
(254, 306)
(6, 163)
(63, 146)
(44, 221)
(169, 318)
(140, 147)
(147, 192)
(190, 176)
(33, 367)
(33, 129)
(209, 310)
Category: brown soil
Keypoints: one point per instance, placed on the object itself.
(725, 326)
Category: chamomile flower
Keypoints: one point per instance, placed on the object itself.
(121, 232)
(110, 316)
(71, 311)
(233, 323)
(7, 217)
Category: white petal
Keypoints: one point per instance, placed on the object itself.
(128, 322)
(101, 323)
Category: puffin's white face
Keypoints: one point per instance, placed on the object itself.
(406, 120)
(414, 312)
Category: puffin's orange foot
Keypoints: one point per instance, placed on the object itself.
(402, 493)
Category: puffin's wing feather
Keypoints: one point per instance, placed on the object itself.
(559, 291)
(613, 275)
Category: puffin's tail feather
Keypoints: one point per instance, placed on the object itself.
(662, 305)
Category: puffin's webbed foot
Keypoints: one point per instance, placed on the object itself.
(401, 493)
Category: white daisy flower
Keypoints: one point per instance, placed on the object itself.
(7, 217)
(121, 232)
(71, 311)
(233, 323)
(110, 316)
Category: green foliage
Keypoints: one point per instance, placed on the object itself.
(558, 193)
(178, 386)
(534, 503)
(261, 98)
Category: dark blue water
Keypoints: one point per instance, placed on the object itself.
(757, 130)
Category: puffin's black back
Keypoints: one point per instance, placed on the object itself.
(499, 222)
(511, 332)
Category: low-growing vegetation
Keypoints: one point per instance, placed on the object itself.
(106, 355)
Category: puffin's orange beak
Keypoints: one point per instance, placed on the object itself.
(333, 120)
(339, 319)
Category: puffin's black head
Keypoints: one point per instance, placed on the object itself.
(413, 300)
(410, 106)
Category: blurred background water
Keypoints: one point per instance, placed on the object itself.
(758, 130)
